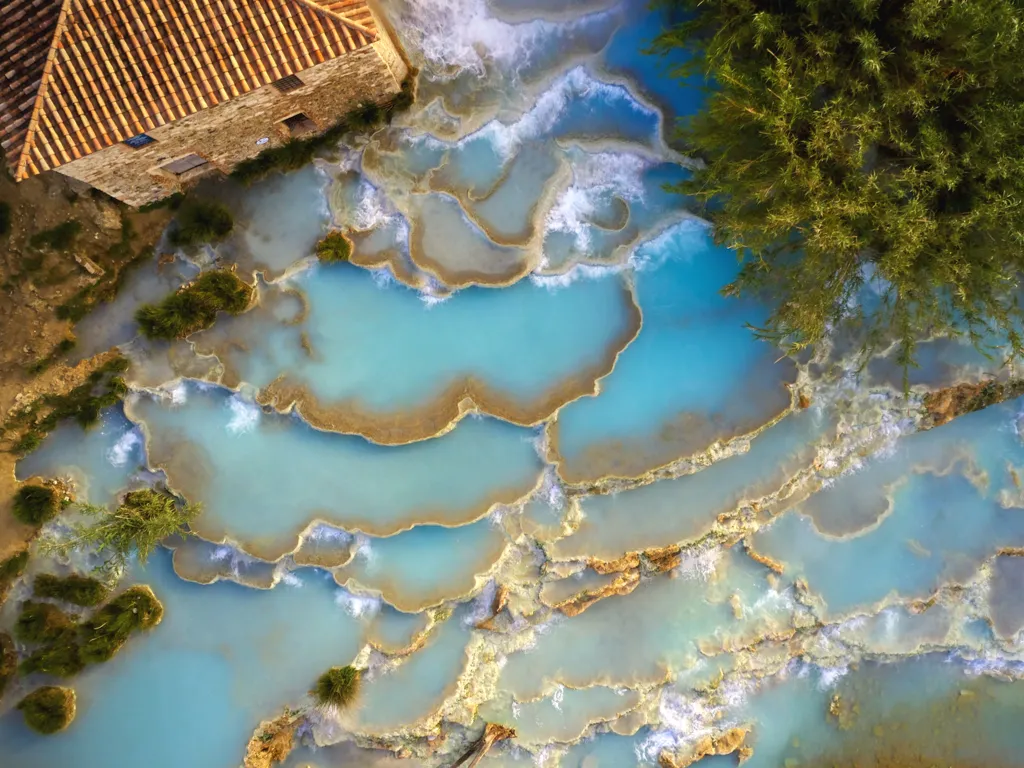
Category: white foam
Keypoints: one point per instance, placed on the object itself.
(455, 36)
(245, 415)
(558, 697)
(179, 393)
(699, 564)
(373, 208)
(328, 534)
(120, 453)
(667, 244)
(578, 272)
(357, 606)
(432, 300)
(830, 676)
(542, 118)
(596, 176)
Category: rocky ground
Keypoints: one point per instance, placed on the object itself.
(36, 278)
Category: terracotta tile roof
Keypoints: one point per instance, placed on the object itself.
(90, 73)
(353, 10)
(26, 33)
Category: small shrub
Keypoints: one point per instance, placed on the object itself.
(35, 504)
(41, 623)
(108, 630)
(5, 219)
(8, 661)
(195, 306)
(334, 247)
(49, 709)
(59, 238)
(102, 389)
(337, 688)
(200, 221)
(366, 116)
(77, 590)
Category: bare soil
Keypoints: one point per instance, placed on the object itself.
(35, 280)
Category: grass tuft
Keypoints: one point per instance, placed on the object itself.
(77, 590)
(337, 688)
(35, 504)
(201, 221)
(334, 247)
(49, 709)
(194, 307)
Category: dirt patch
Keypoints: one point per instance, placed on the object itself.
(45, 262)
(944, 405)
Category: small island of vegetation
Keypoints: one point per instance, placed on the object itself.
(49, 709)
(195, 306)
(77, 590)
(68, 646)
(337, 688)
(865, 160)
(334, 247)
(35, 504)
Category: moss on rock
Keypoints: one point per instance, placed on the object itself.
(106, 632)
(49, 709)
(77, 590)
(42, 623)
(334, 247)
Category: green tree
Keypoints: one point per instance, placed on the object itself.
(142, 520)
(850, 144)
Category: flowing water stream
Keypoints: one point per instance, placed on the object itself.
(523, 464)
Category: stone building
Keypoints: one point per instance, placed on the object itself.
(139, 97)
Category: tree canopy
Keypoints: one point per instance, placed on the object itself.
(865, 159)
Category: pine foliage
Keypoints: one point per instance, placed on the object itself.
(138, 525)
(864, 143)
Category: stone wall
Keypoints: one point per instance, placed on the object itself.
(228, 133)
(386, 48)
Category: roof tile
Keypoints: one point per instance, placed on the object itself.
(81, 75)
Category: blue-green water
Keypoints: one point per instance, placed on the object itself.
(525, 465)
